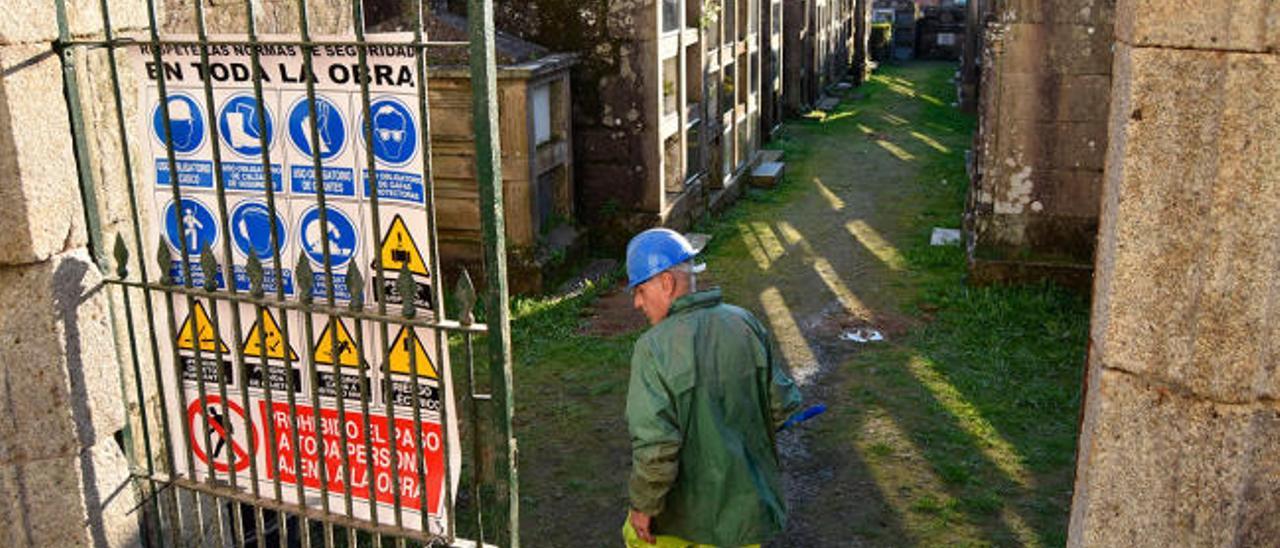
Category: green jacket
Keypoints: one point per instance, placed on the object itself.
(707, 393)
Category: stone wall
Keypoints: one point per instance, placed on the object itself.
(1180, 442)
(64, 477)
(1033, 202)
(65, 361)
(613, 156)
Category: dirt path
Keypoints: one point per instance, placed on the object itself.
(828, 258)
(957, 431)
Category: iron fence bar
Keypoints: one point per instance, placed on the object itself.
(443, 395)
(366, 394)
(420, 468)
(318, 164)
(476, 446)
(379, 274)
(229, 275)
(484, 77)
(182, 395)
(316, 419)
(95, 43)
(142, 401)
(278, 272)
(79, 147)
(304, 288)
(433, 251)
(366, 129)
(166, 120)
(303, 511)
(452, 326)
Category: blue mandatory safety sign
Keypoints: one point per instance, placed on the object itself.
(240, 126)
(186, 123)
(341, 234)
(395, 133)
(330, 126)
(192, 226)
(251, 229)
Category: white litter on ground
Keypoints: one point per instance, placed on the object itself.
(862, 335)
(945, 236)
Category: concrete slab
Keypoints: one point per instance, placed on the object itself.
(768, 174)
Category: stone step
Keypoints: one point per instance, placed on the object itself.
(767, 174)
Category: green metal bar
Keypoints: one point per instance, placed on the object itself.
(79, 146)
(162, 92)
(276, 261)
(127, 159)
(452, 326)
(316, 420)
(484, 75)
(475, 431)
(366, 426)
(93, 43)
(379, 274)
(228, 260)
(433, 250)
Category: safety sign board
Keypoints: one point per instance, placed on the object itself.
(244, 125)
(190, 228)
(293, 186)
(409, 353)
(197, 332)
(336, 347)
(251, 225)
(231, 436)
(330, 237)
(267, 342)
(186, 131)
(398, 250)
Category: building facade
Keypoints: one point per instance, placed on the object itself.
(667, 104)
(819, 45)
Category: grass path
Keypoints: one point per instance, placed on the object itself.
(959, 430)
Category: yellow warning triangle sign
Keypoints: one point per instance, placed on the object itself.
(197, 327)
(266, 329)
(399, 249)
(338, 339)
(400, 358)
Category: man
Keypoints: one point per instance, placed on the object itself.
(706, 396)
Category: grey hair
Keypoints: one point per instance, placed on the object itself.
(687, 270)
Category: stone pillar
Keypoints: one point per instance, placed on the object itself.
(64, 479)
(1046, 78)
(1180, 440)
(861, 35)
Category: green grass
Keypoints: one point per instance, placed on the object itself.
(964, 427)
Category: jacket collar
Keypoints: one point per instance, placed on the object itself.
(694, 301)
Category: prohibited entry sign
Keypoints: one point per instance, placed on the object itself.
(233, 438)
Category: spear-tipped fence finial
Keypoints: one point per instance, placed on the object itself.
(165, 259)
(465, 292)
(306, 278)
(253, 268)
(408, 290)
(209, 267)
(355, 286)
(121, 253)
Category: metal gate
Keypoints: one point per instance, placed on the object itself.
(196, 491)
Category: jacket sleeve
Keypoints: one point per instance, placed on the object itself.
(655, 433)
(784, 397)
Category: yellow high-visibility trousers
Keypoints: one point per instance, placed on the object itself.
(633, 540)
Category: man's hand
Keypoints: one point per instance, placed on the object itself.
(641, 522)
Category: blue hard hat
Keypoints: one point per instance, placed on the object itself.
(653, 251)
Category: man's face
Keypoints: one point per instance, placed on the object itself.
(654, 297)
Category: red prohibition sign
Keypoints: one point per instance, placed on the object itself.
(198, 413)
